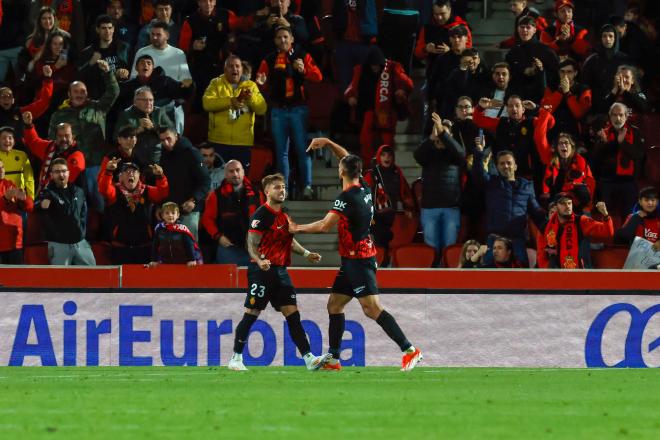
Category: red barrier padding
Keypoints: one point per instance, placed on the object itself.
(207, 276)
(58, 277)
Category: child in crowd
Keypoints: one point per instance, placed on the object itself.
(173, 242)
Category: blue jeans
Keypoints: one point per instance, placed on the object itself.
(440, 226)
(232, 255)
(519, 250)
(289, 125)
(241, 153)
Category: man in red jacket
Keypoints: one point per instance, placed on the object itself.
(560, 246)
(64, 146)
(13, 202)
(565, 37)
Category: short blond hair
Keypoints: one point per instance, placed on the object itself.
(169, 206)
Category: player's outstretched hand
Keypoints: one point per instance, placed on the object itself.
(313, 257)
(317, 144)
(264, 265)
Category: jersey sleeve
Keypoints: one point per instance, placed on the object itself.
(261, 221)
(342, 204)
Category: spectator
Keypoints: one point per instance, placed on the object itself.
(282, 74)
(105, 48)
(214, 165)
(444, 64)
(644, 222)
(129, 209)
(227, 215)
(46, 150)
(433, 39)
(633, 41)
(399, 46)
(63, 215)
(468, 79)
(87, 118)
(189, 181)
(565, 37)
(10, 113)
(232, 103)
(531, 58)
(627, 90)
(501, 88)
(146, 119)
(12, 28)
(125, 152)
(633, 15)
(280, 14)
(524, 135)
(441, 158)
(379, 93)
(17, 166)
(163, 12)
(521, 9)
(599, 69)
(14, 202)
(173, 242)
(509, 202)
(502, 255)
(54, 55)
(69, 15)
(561, 244)
(45, 24)
(471, 255)
(617, 160)
(126, 30)
(569, 173)
(391, 193)
(349, 29)
(204, 37)
(171, 59)
(164, 88)
(569, 102)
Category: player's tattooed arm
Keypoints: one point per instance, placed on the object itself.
(253, 240)
(300, 250)
(318, 143)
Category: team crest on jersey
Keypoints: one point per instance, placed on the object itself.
(255, 223)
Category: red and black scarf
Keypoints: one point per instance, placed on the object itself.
(133, 197)
(625, 166)
(383, 107)
(563, 242)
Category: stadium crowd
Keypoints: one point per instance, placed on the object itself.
(110, 109)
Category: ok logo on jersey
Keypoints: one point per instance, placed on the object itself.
(339, 205)
(255, 223)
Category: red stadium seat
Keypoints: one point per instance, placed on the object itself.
(321, 100)
(609, 258)
(380, 255)
(262, 159)
(36, 254)
(451, 255)
(403, 229)
(102, 253)
(413, 255)
(196, 128)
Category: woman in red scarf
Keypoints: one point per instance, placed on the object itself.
(569, 172)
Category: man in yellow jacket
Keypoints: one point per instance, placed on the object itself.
(232, 103)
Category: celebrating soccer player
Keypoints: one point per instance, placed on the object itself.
(353, 211)
(269, 244)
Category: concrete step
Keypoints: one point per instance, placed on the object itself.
(318, 239)
(328, 259)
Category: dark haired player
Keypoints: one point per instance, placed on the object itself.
(353, 212)
(269, 244)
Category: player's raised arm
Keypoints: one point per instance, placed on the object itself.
(324, 225)
(318, 143)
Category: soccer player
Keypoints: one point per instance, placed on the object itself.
(269, 244)
(353, 212)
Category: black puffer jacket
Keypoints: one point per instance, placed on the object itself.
(441, 172)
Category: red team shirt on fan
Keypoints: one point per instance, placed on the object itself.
(356, 210)
(273, 226)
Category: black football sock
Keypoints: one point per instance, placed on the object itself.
(335, 332)
(388, 323)
(242, 331)
(298, 333)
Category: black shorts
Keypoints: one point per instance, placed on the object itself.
(273, 285)
(356, 277)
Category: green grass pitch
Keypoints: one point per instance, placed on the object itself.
(356, 403)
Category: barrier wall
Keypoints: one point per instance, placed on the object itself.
(175, 315)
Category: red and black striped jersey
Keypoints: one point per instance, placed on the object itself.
(356, 210)
(273, 226)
